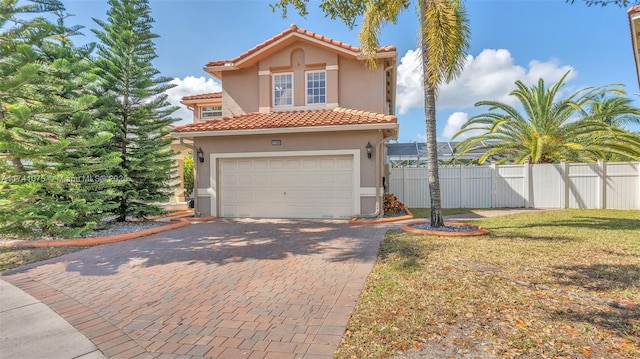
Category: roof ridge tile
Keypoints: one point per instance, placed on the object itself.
(293, 28)
(207, 95)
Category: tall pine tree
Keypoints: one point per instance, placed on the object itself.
(38, 90)
(132, 97)
(86, 161)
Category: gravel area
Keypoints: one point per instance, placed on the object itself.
(110, 229)
(116, 228)
(397, 214)
(428, 227)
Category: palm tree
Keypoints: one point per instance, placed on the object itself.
(615, 110)
(550, 129)
(444, 41)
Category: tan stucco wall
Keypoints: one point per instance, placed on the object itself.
(352, 85)
(361, 88)
(293, 143)
(240, 93)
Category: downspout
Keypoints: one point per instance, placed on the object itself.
(195, 177)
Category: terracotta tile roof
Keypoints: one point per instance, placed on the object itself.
(260, 120)
(203, 96)
(293, 29)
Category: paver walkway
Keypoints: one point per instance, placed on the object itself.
(225, 289)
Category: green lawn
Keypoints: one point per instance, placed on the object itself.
(14, 257)
(426, 212)
(537, 286)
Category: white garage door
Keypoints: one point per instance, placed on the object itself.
(287, 187)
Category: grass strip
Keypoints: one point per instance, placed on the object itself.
(525, 290)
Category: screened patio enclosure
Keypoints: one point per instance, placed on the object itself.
(414, 154)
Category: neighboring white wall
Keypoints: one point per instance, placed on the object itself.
(561, 185)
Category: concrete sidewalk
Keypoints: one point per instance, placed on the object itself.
(29, 329)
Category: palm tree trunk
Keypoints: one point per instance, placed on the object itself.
(432, 157)
(432, 140)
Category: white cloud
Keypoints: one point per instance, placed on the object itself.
(190, 85)
(454, 123)
(550, 71)
(409, 85)
(489, 76)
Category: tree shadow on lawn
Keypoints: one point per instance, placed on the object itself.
(599, 223)
(615, 320)
(602, 278)
(224, 242)
(599, 277)
(406, 250)
(495, 233)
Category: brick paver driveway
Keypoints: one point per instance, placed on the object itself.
(225, 289)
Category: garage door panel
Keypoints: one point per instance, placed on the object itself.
(283, 180)
(228, 165)
(275, 164)
(245, 165)
(260, 165)
(344, 164)
(306, 187)
(292, 164)
(244, 180)
(327, 164)
(322, 179)
(309, 164)
(344, 179)
(231, 196)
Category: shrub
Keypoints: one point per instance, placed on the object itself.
(391, 205)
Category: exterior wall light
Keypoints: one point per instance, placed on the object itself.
(369, 149)
(200, 155)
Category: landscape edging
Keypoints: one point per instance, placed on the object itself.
(174, 223)
(479, 232)
(408, 216)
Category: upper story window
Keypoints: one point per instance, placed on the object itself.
(283, 90)
(211, 112)
(316, 87)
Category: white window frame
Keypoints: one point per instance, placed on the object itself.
(216, 113)
(306, 87)
(273, 89)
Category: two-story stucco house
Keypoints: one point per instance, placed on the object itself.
(301, 133)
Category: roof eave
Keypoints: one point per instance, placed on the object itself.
(380, 55)
(241, 62)
(251, 58)
(216, 71)
(634, 25)
(200, 101)
(390, 128)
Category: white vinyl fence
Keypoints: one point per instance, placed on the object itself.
(562, 185)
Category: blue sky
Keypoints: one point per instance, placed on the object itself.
(511, 40)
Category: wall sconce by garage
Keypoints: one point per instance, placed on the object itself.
(369, 149)
(200, 155)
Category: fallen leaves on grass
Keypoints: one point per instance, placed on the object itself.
(504, 295)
